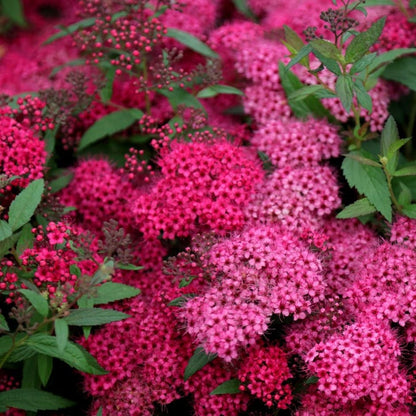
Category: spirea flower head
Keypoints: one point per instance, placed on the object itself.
(265, 373)
(203, 185)
(256, 273)
(297, 143)
(362, 362)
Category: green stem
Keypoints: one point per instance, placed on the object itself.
(392, 196)
(12, 348)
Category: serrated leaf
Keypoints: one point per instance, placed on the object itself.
(33, 400)
(74, 355)
(403, 70)
(369, 181)
(363, 63)
(110, 124)
(25, 240)
(25, 204)
(37, 300)
(363, 97)
(388, 57)
(68, 30)
(357, 209)
(344, 90)
(406, 171)
(181, 300)
(301, 109)
(389, 135)
(112, 292)
(45, 366)
(397, 146)
(197, 361)
(228, 387)
(128, 266)
(362, 159)
(304, 92)
(60, 183)
(361, 44)
(93, 316)
(329, 63)
(13, 10)
(5, 230)
(410, 211)
(214, 90)
(191, 42)
(302, 54)
(325, 48)
(61, 333)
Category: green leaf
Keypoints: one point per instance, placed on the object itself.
(214, 90)
(302, 54)
(343, 88)
(25, 204)
(3, 323)
(331, 64)
(107, 91)
(74, 355)
(293, 39)
(179, 96)
(390, 56)
(61, 182)
(25, 240)
(410, 211)
(357, 209)
(65, 31)
(110, 124)
(363, 97)
(8, 243)
(100, 412)
(390, 136)
(62, 334)
(312, 380)
(363, 63)
(242, 7)
(403, 70)
(5, 230)
(325, 48)
(405, 195)
(33, 400)
(112, 292)
(406, 171)
(74, 62)
(197, 361)
(191, 42)
(123, 266)
(181, 300)
(13, 10)
(369, 181)
(361, 44)
(45, 366)
(37, 300)
(397, 145)
(104, 272)
(306, 107)
(30, 376)
(93, 316)
(228, 387)
(304, 92)
(186, 282)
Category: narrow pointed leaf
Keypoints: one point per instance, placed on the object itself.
(93, 316)
(191, 42)
(344, 90)
(410, 211)
(62, 334)
(327, 49)
(228, 387)
(5, 230)
(37, 300)
(361, 44)
(65, 31)
(357, 209)
(214, 90)
(25, 204)
(197, 361)
(33, 400)
(45, 366)
(406, 171)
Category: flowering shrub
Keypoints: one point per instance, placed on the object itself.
(207, 207)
